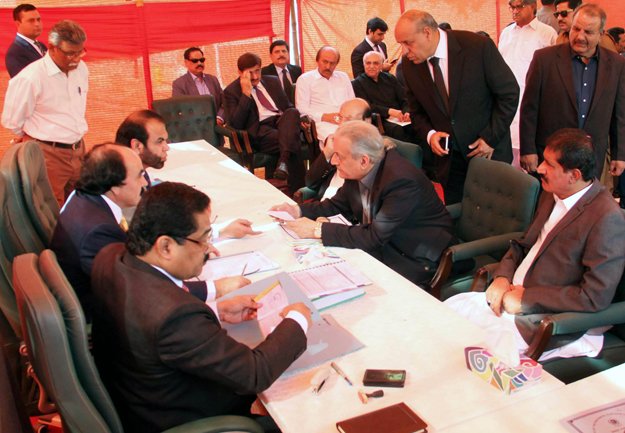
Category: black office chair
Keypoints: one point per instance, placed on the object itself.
(54, 327)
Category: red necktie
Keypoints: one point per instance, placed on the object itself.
(264, 101)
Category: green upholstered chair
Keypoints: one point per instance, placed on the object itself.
(497, 206)
(55, 334)
(42, 207)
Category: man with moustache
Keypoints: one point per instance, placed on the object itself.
(46, 102)
(195, 82)
(162, 354)
(281, 68)
(25, 49)
(579, 84)
(564, 15)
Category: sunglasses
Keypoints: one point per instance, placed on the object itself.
(201, 60)
(563, 13)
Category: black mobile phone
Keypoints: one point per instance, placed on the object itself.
(390, 378)
(444, 142)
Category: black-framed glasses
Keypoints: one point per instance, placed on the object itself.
(201, 60)
(565, 13)
(205, 243)
(72, 54)
(516, 7)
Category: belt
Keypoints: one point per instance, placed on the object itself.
(72, 146)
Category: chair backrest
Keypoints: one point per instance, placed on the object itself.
(54, 330)
(7, 296)
(39, 200)
(497, 199)
(189, 118)
(410, 151)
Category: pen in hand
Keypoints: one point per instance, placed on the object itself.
(341, 373)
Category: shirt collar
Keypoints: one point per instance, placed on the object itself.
(576, 56)
(318, 75)
(441, 49)
(117, 211)
(27, 39)
(51, 67)
(371, 44)
(533, 24)
(175, 280)
(572, 200)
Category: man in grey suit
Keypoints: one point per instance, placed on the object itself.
(196, 82)
(571, 258)
(25, 49)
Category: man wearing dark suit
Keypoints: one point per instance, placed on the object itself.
(25, 49)
(578, 84)
(386, 96)
(397, 216)
(162, 354)
(195, 82)
(572, 255)
(376, 30)
(458, 86)
(259, 105)
(281, 68)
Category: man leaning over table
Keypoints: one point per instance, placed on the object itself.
(398, 217)
(162, 353)
(570, 259)
(144, 132)
(46, 102)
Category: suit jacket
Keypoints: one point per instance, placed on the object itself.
(320, 175)
(85, 226)
(483, 96)
(163, 355)
(359, 52)
(294, 70)
(241, 110)
(21, 54)
(186, 86)
(578, 265)
(386, 93)
(549, 102)
(408, 220)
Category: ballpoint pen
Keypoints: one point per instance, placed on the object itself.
(244, 269)
(341, 373)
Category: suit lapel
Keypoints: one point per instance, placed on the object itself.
(566, 72)
(604, 67)
(455, 62)
(192, 88)
(28, 46)
(423, 71)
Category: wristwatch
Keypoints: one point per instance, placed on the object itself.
(317, 231)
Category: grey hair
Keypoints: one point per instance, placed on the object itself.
(372, 53)
(592, 10)
(365, 139)
(421, 19)
(66, 31)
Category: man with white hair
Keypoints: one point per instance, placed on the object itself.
(396, 214)
(46, 102)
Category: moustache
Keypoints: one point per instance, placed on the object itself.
(206, 257)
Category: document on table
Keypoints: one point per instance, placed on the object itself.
(608, 418)
(396, 121)
(285, 216)
(329, 279)
(268, 315)
(246, 263)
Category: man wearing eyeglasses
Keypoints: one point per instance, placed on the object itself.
(195, 82)
(46, 102)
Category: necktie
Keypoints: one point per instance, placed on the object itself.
(146, 176)
(123, 224)
(286, 85)
(440, 82)
(377, 48)
(41, 47)
(264, 101)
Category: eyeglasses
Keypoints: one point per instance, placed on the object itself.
(201, 60)
(516, 7)
(72, 54)
(203, 243)
(563, 13)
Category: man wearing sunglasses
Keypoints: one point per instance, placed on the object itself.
(195, 82)
(564, 15)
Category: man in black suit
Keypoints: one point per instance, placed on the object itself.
(578, 84)
(259, 105)
(376, 30)
(397, 216)
(386, 96)
(25, 49)
(281, 68)
(460, 90)
(195, 82)
(162, 353)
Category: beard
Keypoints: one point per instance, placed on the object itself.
(151, 159)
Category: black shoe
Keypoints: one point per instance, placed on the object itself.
(281, 172)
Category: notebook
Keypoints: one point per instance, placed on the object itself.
(398, 418)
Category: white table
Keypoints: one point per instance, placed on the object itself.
(401, 326)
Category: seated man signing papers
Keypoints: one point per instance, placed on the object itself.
(397, 216)
(570, 259)
(162, 353)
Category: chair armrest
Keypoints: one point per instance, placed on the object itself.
(483, 246)
(303, 194)
(569, 323)
(240, 140)
(455, 210)
(219, 424)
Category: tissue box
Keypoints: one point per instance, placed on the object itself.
(507, 379)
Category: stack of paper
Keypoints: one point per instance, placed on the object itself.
(246, 263)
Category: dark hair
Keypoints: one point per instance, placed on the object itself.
(546, 2)
(376, 24)
(188, 52)
(575, 150)
(168, 208)
(133, 126)
(444, 26)
(102, 169)
(248, 60)
(24, 7)
(572, 3)
(278, 43)
(615, 33)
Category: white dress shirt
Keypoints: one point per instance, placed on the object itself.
(264, 113)
(47, 104)
(31, 42)
(443, 62)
